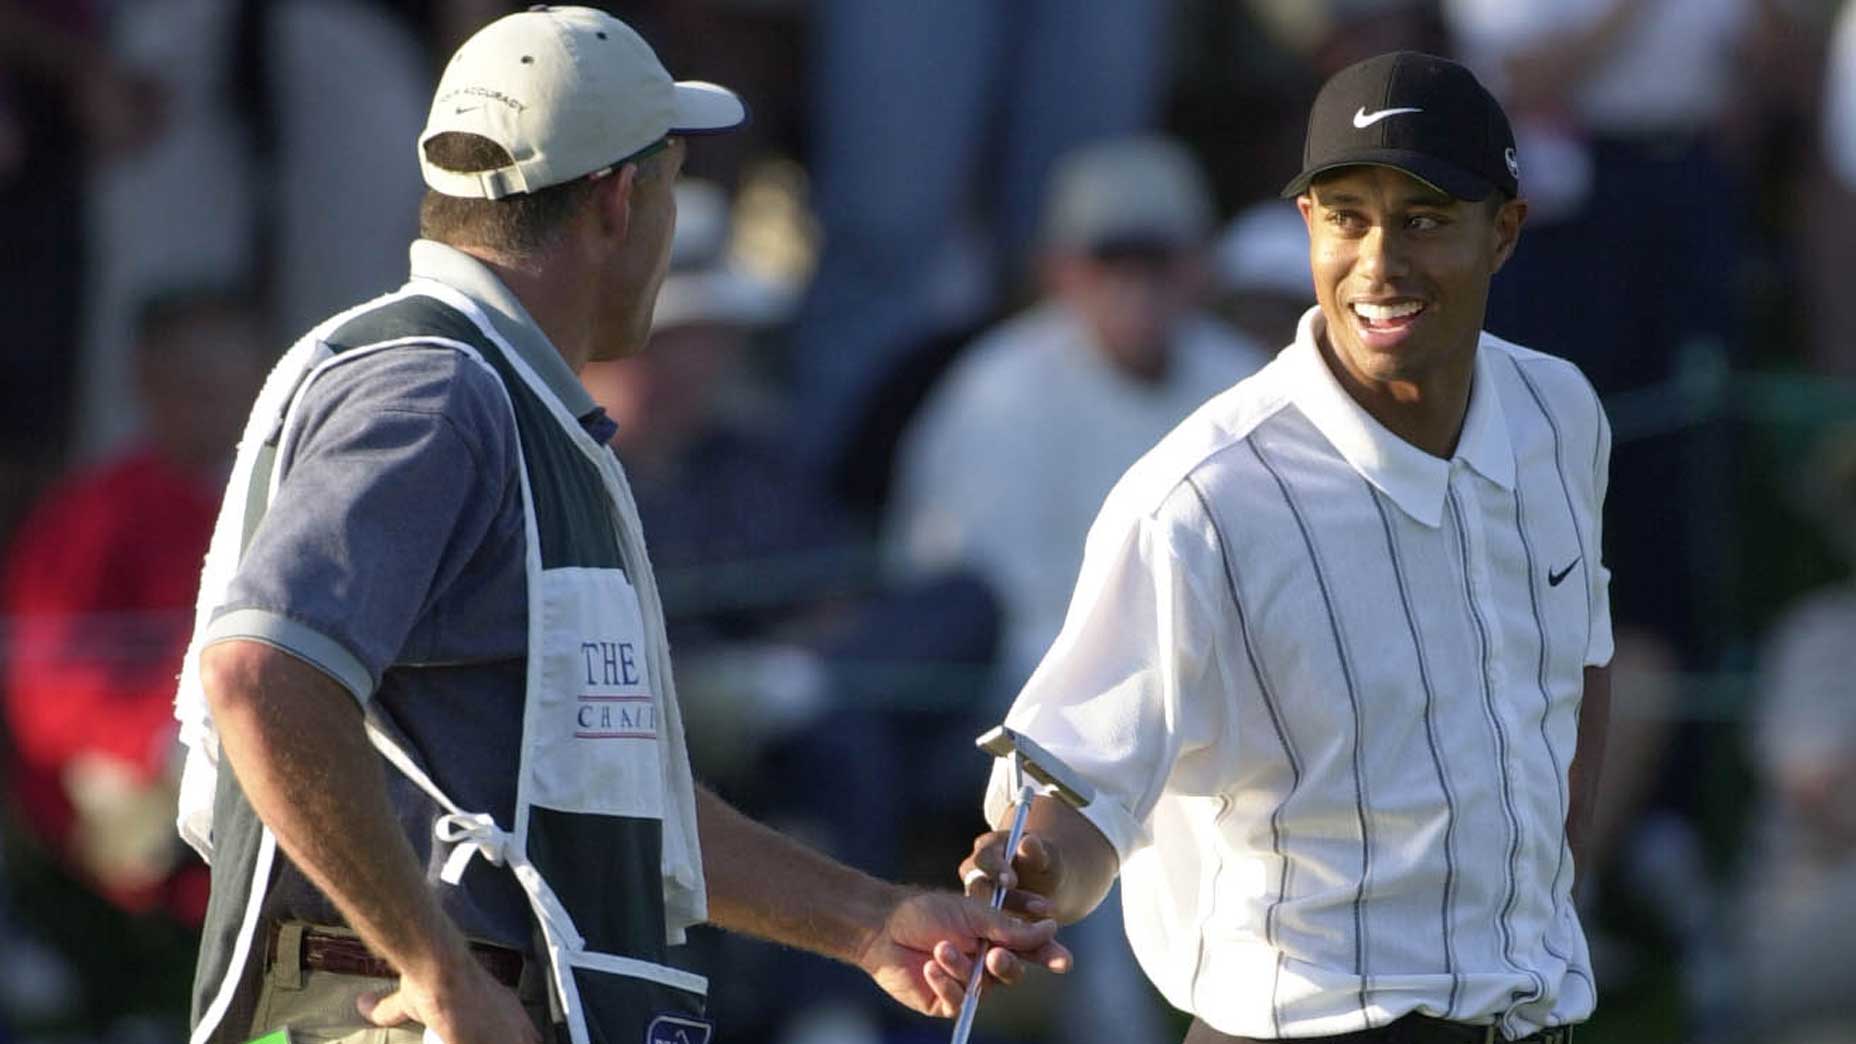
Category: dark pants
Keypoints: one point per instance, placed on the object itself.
(1412, 1029)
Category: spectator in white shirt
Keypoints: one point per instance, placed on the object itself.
(1261, 271)
(1013, 452)
(1798, 906)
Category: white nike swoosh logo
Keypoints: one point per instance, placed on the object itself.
(1363, 119)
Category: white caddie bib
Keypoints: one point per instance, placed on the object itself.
(604, 838)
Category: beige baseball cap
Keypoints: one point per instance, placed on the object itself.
(568, 91)
(1145, 190)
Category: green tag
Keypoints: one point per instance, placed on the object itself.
(282, 1036)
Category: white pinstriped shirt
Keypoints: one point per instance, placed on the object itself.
(1327, 686)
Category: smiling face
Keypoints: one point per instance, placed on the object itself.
(1402, 273)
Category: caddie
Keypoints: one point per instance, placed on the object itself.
(437, 761)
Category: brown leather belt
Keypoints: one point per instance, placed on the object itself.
(343, 954)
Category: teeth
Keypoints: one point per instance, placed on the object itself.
(1381, 313)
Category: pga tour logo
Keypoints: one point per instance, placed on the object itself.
(676, 1029)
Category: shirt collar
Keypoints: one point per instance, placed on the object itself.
(474, 279)
(1416, 481)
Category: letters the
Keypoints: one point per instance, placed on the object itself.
(610, 663)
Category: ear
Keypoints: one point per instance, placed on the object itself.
(612, 196)
(1506, 231)
(1306, 204)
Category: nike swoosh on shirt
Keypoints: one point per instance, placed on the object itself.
(1363, 119)
(1554, 577)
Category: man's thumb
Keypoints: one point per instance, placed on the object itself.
(382, 1009)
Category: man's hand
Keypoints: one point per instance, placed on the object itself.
(1035, 872)
(923, 953)
(918, 946)
(464, 1005)
(1062, 869)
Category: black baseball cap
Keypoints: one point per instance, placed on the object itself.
(1424, 115)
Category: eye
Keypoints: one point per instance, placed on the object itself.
(1424, 222)
(1346, 221)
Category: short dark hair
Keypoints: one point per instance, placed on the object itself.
(519, 224)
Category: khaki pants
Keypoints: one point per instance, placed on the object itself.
(318, 1007)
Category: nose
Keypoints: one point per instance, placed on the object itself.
(1382, 254)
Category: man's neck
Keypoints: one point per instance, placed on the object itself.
(560, 307)
(1427, 414)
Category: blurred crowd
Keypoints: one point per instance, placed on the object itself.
(968, 262)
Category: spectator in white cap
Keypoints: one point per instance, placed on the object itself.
(713, 483)
(1014, 450)
(707, 311)
(1261, 272)
(428, 630)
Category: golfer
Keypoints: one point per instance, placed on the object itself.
(1335, 665)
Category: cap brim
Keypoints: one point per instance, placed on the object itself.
(1447, 178)
(706, 108)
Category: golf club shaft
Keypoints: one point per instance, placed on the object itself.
(970, 1004)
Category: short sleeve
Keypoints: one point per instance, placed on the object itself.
(393, 480)
(1599, 645)
(1135, 679)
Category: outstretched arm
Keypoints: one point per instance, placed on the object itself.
(917, 945)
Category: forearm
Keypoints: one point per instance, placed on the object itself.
(1087, 862)
(765, 884)
(1588, 761)
(296, 741)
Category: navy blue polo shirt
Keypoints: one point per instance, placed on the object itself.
(392, 559)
